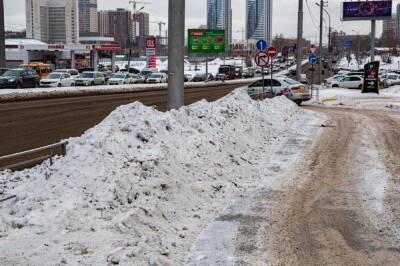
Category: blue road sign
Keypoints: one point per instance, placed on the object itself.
(312, 58)
(262, 45)
(347, 43)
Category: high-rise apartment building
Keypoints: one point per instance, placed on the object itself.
(117, 24)
(259, 20)
(219, 16)
(141, 24)
(52, 21)
(88, 18)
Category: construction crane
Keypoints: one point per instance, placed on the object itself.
(134, 3)
(160, 24)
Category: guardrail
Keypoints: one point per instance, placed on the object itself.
(30, 158)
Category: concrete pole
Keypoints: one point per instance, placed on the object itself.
(299, 40)
(373, 33)
(321, 17)
(73, 59)
(2, 37)
(176, 53)
(95, 59)
(113, 61)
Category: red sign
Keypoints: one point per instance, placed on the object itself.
(55, 46)
(272, 52)
(151, 42)
(262, 59)
(107, 47)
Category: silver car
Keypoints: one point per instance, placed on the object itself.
(90, 78)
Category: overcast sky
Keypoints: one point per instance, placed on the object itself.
(284, 16)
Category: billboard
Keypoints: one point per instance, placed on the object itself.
(371, 10)
(206, 41)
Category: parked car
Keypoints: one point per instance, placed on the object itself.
(281, 85)
(72, 72)
(90, 78)
(390, 79)
(3, 70)
(336, 77)
(58, 79)
(248, 73)
(157, 78)
(203, 77)
(19, 78)
(121, 78)
(221, 77)
(350, 82)
(356, 73)
(188, 77)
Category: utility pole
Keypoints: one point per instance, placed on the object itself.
(321, 17)
(373, 33)
(2, 37)
(176, 53)
(299, 40)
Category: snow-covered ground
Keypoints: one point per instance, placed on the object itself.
(138, 188)
(387, 98)
(384, 67)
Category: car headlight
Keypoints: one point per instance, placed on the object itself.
(11, 80)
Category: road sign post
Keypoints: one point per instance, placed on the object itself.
(312, 59)
(272, 52)
(262, 59)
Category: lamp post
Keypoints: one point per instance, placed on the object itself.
(133, 36)
(2, 37)
(299, 44)
(329, 33)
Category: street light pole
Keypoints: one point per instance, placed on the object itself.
(321, 17)
(299, 54)
(176, 53)
(2, 37)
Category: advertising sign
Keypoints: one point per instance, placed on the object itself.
(371, 10)
(371, 78)
(206, 41)
(151, 58)
(151, 42)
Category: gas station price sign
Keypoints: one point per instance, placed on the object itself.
(206, 41)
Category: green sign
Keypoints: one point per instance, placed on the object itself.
(206, 41)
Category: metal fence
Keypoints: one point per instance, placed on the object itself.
(30, 158)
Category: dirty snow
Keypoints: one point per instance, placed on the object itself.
(138, 188)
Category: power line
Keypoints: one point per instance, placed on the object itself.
(311, 15)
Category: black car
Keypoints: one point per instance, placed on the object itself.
(3, 70)
(19, 78)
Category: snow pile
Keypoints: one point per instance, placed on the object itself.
(139, 187)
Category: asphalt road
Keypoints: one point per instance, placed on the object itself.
(26, 125)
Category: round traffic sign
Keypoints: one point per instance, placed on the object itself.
(312, 58)
(261, 45)
(272, 52)
(261, 59)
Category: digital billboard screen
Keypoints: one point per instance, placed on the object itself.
(378, 10)
(206, 41)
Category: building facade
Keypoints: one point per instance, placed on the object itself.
(88, 18)
(52, 21)
(259, 20)
(398, 23)
(141, 24)
(219, 16)
(116, 24)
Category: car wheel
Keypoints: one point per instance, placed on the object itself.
(92, 83)
(18, 86)
(59, 85)
(298, 102)
(72, 84)
(335, 86)
(360, 87)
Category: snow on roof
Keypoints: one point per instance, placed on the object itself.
(24, 42)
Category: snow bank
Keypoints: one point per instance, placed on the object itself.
(139, 187)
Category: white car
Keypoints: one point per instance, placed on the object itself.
(334, 78)
(281, 85)
(58, 80)
(90, 78)
(157, 78)
(349, 82)
(390, 79)
(120, 78)
(73, 72)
